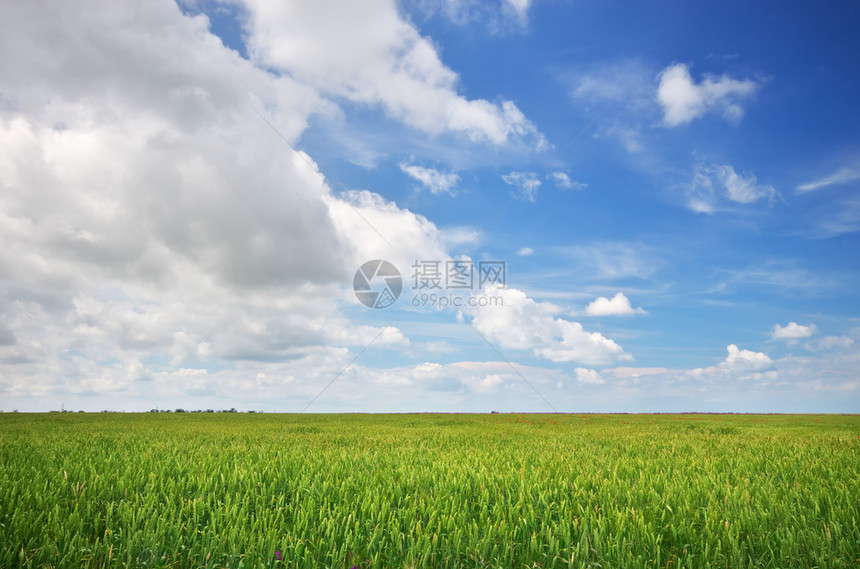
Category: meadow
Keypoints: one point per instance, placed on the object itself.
(409, 491)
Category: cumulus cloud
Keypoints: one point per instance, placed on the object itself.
(618, 305)
(584, 375)
(528, 182)
(434, 180)
(716, 187)
(746, 380)
(746, 359)
(521, 323)
(741, 365)
(525, 251)
(684, 100)
(793, 331)
(153, 223)
(368, 54)
(376, 228)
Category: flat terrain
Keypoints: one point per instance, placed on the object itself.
(610, 491)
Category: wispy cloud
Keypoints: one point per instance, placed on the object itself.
(714, 188)
(788, 275)
(500, 16)
(841, 176)
(828, 343)
(434, 180)
(563, 181)
(627, 83)
(832, 217)
(519, 9)
(614, 260)
(622, 92)
(527, 182)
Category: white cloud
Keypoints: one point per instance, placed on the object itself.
(487, 383)
(498, 16)
(841, 176)
(367, 53)
(739, 365)
(440, 347)
(378, 229)
(746, 359)
(528, 183)
(523, 324)
(618, 305)
(684, 100)
(746, 380)
(564, 182)
(628, 83)
(743, 189)
(828, 343)
(837, 217)
(610, 260)
(635, 373)
(520, 9)
(525, 251)
(622, 92)
(434, 180)
(793, 331)
(153, 223)
(630, 137)
(584, 375)
(714, 188)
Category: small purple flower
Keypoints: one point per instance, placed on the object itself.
(278, 555)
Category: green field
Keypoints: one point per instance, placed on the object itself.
(609, 491)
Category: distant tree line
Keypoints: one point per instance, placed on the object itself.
(181, 410)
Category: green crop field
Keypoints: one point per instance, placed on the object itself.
(510, 491)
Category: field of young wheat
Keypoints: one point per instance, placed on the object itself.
(399, 491)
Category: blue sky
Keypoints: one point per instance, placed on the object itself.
(189, 189)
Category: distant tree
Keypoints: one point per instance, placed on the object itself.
(180, 410)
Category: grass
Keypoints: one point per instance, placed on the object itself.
(403, 491)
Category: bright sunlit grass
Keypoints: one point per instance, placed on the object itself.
(225, 490)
